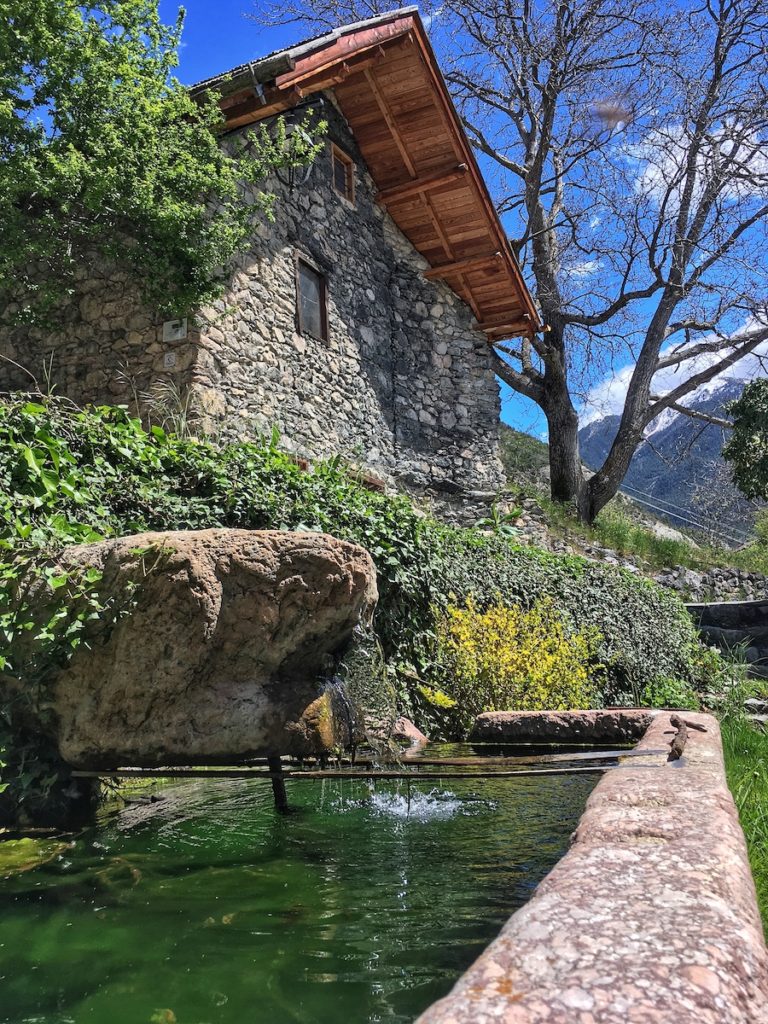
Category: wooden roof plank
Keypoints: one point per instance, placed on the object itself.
(462, 266)
(397, 193)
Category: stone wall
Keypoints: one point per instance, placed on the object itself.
(734, 626)
(106, 346)
(403, 386)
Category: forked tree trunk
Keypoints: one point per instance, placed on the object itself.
(566, 480)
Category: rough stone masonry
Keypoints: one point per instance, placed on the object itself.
(403, 386)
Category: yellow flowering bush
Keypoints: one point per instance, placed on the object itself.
(508, 659)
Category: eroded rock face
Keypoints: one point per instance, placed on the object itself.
(222, 649)
(612, 725)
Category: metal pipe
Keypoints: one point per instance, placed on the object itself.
(331, 773)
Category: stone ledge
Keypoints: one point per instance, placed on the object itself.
(650, 918)
(616, 725)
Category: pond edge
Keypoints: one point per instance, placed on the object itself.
(651, 916)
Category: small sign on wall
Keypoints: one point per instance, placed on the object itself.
(175, 330)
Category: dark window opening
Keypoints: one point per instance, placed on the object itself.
(311, 311)
(343, 174)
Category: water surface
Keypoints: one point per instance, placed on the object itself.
(208, 908)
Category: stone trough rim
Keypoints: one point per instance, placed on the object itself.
(650, 917)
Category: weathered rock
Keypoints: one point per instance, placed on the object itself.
(404, 729)
(619, 725)
(222, 652)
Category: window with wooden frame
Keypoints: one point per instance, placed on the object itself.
(311, 300)
(343, 173)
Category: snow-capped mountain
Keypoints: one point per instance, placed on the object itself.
(678, 467)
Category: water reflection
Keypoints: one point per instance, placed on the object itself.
(363, 907)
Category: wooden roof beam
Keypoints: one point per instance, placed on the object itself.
(418, 185)
(462, 266)
(509, 329)
(254, 106)
(389, 120)
(337, 73)
(346, 46)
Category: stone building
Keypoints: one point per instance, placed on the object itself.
(357, 322)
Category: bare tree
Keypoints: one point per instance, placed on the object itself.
(627, 143)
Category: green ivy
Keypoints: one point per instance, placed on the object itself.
(76, 476)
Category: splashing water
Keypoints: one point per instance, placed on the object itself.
(417, 805)
(433, 806)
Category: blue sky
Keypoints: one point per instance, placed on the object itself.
(218, 35)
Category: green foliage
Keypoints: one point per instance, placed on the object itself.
(646, 632)
(499, 521)
(614, 529)
(619, 527)
(669, 693)
(71, 476)
(106, 154)
(746, 762)
(761, 528)
(507, 659)
(522, 456)
(747, 447)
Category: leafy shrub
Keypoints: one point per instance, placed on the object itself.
(747, 447)
(72, 476)
(645, 631)
(669, 693)
(508, 659)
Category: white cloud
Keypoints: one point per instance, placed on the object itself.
(585, 268)
(660, 161)
(607, 398)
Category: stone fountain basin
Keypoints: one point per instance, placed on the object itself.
(651, 917)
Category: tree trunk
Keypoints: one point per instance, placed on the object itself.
(605, 483)
(566, 482)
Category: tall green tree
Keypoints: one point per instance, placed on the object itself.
(104, 154)
(747, 447)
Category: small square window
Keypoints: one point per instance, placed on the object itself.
(343, 174)
(311, 306)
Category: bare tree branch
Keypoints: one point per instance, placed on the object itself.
(696, 414)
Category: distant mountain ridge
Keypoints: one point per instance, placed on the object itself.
(679, 466)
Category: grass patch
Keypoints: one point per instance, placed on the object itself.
(745, 752)
(746, 762)
(620, 528)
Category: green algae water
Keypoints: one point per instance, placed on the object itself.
(205, 907)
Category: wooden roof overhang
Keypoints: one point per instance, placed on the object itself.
(387, 83)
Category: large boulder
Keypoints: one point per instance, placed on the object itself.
(220, 651)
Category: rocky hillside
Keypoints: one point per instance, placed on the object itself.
(629, 534)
